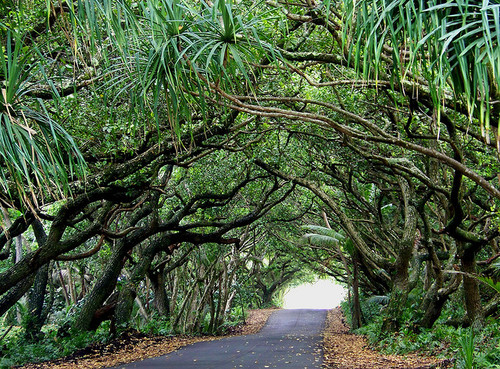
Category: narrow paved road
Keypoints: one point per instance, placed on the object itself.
(291, 339)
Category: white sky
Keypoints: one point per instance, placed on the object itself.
(323, 294)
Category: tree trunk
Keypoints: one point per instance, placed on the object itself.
(434, 302)
(186, 300)
(215, 326)
(437, 293)
(101, 291)
(356, 307)
(36, 295)
(399, 292)
(211, 302)
(475, 316)
(10, 298)
(207, 294)
(63, 284)
(129, 290)
(434, 305)
(71, 284)
(190, 310)
(175, 290)
(19, 248)
(161, 301)
(125, 306)
(267, 297)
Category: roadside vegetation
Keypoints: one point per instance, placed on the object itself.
(166, 165)
(462, 347)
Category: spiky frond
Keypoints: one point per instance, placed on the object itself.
(172, 56)
(452, 45)
(35, 151)
(319, 240)
(378, 299)
(324, 231)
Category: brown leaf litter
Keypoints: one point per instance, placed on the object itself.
(341, 349)
(344, 350)
(136, 346)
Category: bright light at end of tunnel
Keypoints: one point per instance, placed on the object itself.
(322, 294)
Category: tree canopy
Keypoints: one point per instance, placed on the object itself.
(183, 160)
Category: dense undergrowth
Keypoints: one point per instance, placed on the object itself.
(467, 347)
(15, 350)
(55, 342)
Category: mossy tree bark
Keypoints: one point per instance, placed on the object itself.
(128, 291)
(161, 301)
(36, 296)
(472, 297)
(399, 292)
(356, 306)
(102, 290)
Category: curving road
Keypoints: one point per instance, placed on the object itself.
(291, 339)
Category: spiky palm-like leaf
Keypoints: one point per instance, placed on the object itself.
(35, 151)
(319, 240)
(453, 45)
(496, 268)
(325, 231)
(378, 299)
(323, 237)
(489, 282)
(173, 55)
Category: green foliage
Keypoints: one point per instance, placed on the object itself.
(157, 325)
(489, 282)
(173, 56)
(50, 346)
(156, 68)
(466, 350)
(235, 318)
(472, 350)
(447, 43)
(35, 151)
(323, 236)
(20, 16)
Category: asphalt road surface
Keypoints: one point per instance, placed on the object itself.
(291, 339)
